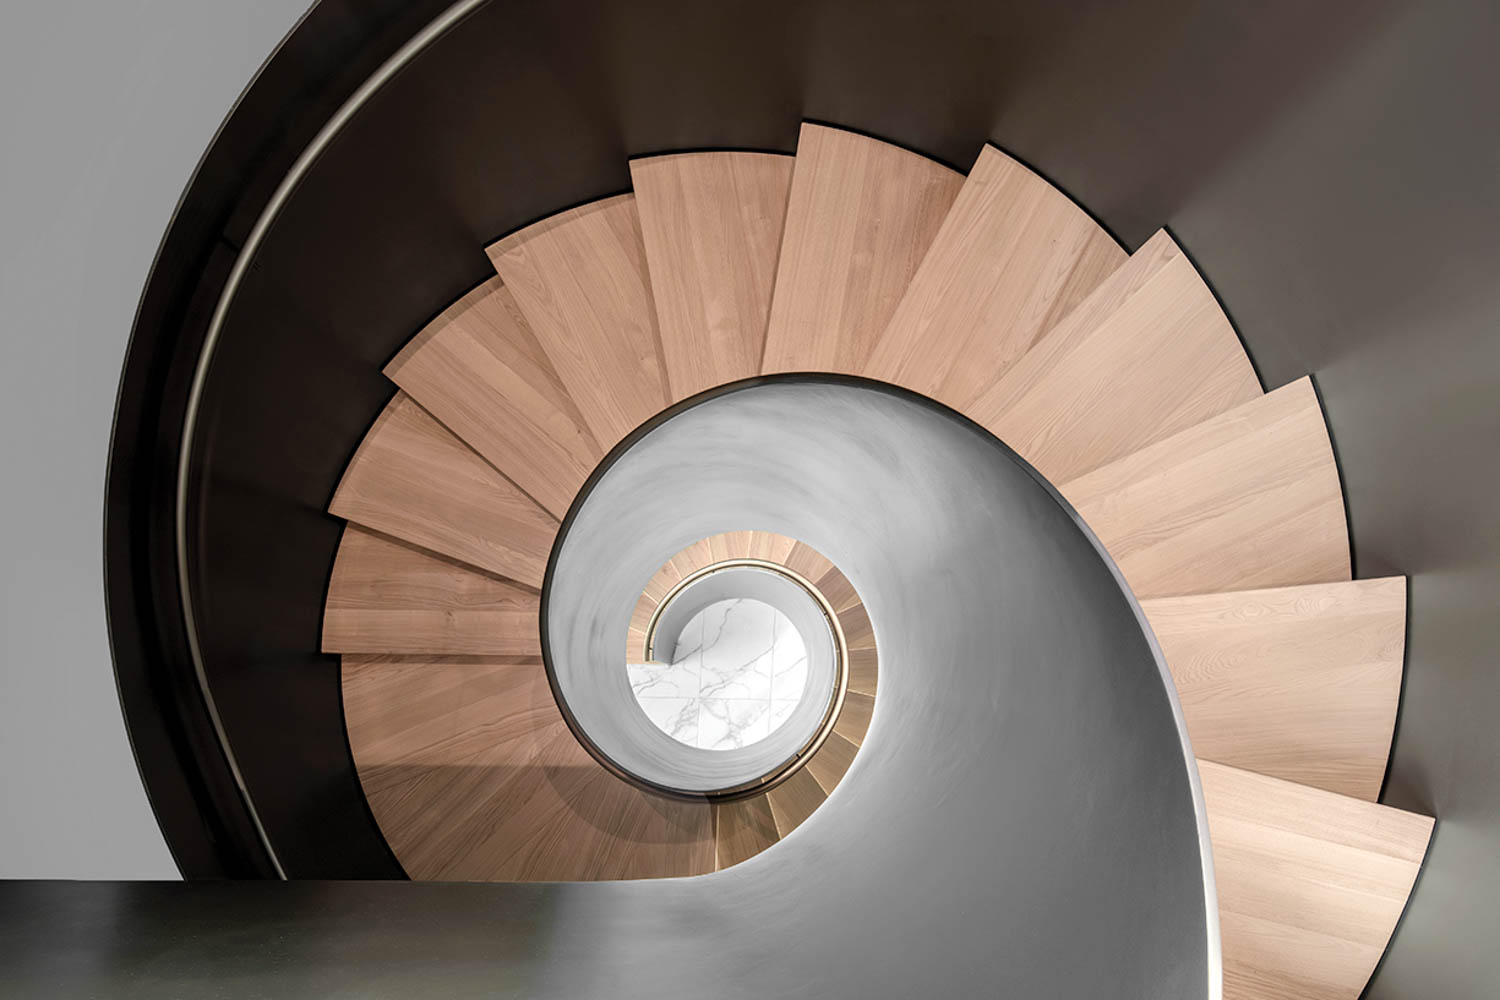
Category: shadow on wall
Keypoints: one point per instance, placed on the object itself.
(1359, 239)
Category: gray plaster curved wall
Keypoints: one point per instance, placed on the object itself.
(104, 110)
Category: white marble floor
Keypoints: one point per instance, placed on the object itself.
(739, 671)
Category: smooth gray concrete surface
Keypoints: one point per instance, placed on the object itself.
(1024, 786)
(1025, 783)
(104, 110)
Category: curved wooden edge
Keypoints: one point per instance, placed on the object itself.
(1147, 354)
(581, 280)
(479, 369)
(413, 479)
(1247, 499)
(1310, 883)
(742, 829)
(1300, 683)
(861, 214)
(473, 775)
(385, 596)
(712, 224)
(1012, 257)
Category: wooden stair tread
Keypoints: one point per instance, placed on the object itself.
(831, 762)
(1249, 498)
(742, 829)
(1310, 883)
(1300, 683)
(479, 369)
(712, 226)
(1013, 257)
(1147, 354)
(473, 775)
(581, 281)
(860, 216)
(414, 479)
(794, 800)
(863, 671)
(387, 597)
(571, 820)
(854, 719)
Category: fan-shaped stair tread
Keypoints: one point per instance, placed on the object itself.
(479, 369)
(388, 597)
(861, 215)
(1300, 683)
(854, 719)
(406, 713)
(1244, 500)
(1148, 354)
(693, 558)
(807, 562)
(435, 741)
(837, 590)
(712, 225)
(1013, 257)
(570, 820)
(1310, 883)
(729, 545)
(859, 633)
(473, 775)
(862, 671)
(414, 479)
(743, 828)
(831, 762)
(580, 279)
(770, 547)
(794, 800)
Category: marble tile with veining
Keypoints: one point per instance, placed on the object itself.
(731, 723)
(677, 717)
(738, 639)
(788, 660)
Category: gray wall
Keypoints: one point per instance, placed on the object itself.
(104, 109)
(1359, 239)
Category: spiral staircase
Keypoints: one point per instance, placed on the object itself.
(1116, 376)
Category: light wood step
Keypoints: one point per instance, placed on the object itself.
(1013, 257)
(414, 479)
(580, 279)
(1310, 883)
(1247, 499)
(854, 718)
(479, 369)
(861, 215)
(1300, 683)
(387, 597)
(712, 225)
(742, 829)
(794, 800)
(1148, 354)
(831, 762)
(473, 775)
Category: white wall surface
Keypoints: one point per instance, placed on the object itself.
(105, 108)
